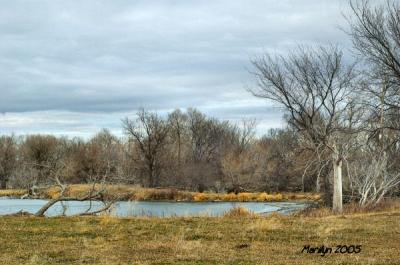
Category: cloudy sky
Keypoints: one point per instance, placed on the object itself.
(74, 67)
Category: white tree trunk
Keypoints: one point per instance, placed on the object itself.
(337, 184)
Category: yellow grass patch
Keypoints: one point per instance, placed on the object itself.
(238, 212)
(12, 193)
(131, 192)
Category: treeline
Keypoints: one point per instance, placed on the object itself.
(190, 151)
(184, 150)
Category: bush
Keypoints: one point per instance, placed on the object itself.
(230, 197)
(52, 193)
(264, 197)
(278, 197)
(199, 197)
(245, 196)
(238, 212)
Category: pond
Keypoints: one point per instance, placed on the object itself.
(146, 208)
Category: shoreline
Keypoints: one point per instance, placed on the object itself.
(134, 193)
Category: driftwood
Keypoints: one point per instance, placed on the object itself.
(93, 195)
(98, 195)
(42, 211)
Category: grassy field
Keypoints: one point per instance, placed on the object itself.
(226, 240)
(129, 192)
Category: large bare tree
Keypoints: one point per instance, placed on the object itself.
(375, 34)
(374, 29)
(314, 87)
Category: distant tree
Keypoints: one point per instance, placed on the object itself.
(149, 133)
(204, 135)
(8, 159)
(178, 129)
(103, 156)
(281, 157)
(41, 153)
(207, 140)
(238, 161)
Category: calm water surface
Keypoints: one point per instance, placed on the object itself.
(161, 209)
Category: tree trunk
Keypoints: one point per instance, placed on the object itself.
(151, 179)
(337, 184)
(318, 184)
(324, 187)
(179, 150)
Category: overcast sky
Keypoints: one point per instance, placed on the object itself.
(74, 67)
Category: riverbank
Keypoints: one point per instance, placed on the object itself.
(237, 239)
(129, 192)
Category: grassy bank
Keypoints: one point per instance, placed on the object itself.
(227, 240)
(12, 193)
(127, 192)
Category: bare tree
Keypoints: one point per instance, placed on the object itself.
(178, 123)
(314, 86)
(40, 154)
(245, 134)
(375, 33)
(103, 156)
(8, 159)
(97, 192)
(279, 153)
(372, 179)
(206, 136)
(149, 132)
(239, 160)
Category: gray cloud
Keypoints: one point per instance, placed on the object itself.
(75, 66)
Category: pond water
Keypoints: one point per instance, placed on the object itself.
(145, 208)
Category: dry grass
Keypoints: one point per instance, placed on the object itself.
(12, 193)
(353, 208)
(246, 239)
(129, 192)
(238, 212)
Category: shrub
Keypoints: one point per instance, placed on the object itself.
(262, 197)
(230, 197)
(199, 197)
(238, 212)
(245, 196)
(278, 197)
(213, 196)
(52, 193)
(164, 194)
(184, 196)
